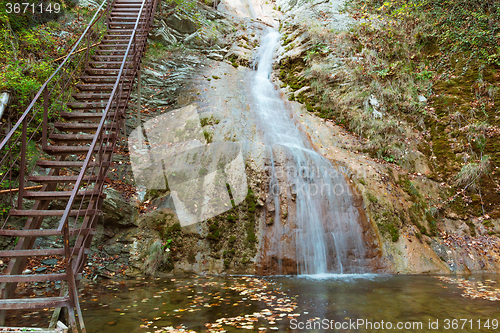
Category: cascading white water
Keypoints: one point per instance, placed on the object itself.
(326, 233)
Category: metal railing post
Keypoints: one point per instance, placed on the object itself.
(139, 96)
(45, 116)
(88, 48)
(23, 164)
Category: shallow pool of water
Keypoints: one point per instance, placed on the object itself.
(345, 303)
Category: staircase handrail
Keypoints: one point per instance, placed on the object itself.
(99, 130)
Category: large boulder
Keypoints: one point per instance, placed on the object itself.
(117, 211)
(182, 23)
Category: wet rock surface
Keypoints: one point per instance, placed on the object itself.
(213, 71)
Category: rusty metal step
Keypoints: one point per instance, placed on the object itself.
(108, 64)
(60, 195)
(78, 138)
(91, 96)
(33, 278)
(104, 79)
(124, 33)
(127, 70)
(115, 52)
(129, 2)
(43, 232)
(34, 303)
(73, 150)
(109, 57)
(119, 13)
(128, 24)
(76, 126)
(125, 19)
(36, 252)
(118, 37)
(82, 126)
(75, 212)
(118, 47)
(86, 115)
(93, 87)
(92, 105)
(106, 72)
(128, 5)
(60, 179)
(68, 164)
(129, 11)
(103, 71)
(98, 66)
(112, 41)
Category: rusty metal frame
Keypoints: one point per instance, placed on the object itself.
(95, 165)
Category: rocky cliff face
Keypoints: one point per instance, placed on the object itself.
(201, 59)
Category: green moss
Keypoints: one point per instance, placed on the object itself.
(291, 73)
(214, 234)
(176, 227)
(472, 228)
(488, 224)
(409, 188)
(390, 229)
(371, 197)
(250, 225)
(415, 212)
(208, 136)
(205, 121)
(388, 223)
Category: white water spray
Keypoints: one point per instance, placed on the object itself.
(326, 231)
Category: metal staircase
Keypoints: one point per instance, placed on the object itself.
(54, 160)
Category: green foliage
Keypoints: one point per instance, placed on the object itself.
(182, 5)
(26, 53)
(25, 19)
(318, 49)
(471, 173)
(391, 229)
(231, 218)
(371, 197)
(157, 256)
(472, 228)
(176, 227)
(4, 209)
(250, 225)
(214, 234)
(208, 136)
(209, 121)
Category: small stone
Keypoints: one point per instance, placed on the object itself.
(374, 101)
(421, 99)
(49, 262)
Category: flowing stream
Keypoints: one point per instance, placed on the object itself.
(325, 226)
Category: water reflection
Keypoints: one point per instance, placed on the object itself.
(233, 304)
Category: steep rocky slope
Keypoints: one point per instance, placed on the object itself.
(202, 62)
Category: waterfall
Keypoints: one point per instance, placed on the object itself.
(323, 235)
